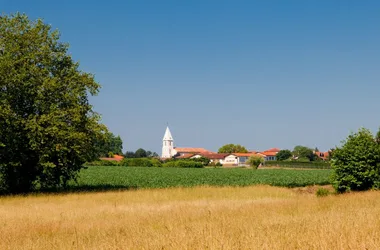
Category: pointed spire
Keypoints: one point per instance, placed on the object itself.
(168, 135)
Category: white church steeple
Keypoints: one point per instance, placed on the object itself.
(167, 144)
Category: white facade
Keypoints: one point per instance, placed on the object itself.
(167, 145)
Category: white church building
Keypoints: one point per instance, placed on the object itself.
(169, 151)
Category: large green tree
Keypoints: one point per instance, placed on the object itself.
(304, 152)
(232, 148)
(283, 155)
(111, 145)
(47, 126)
(356, 164)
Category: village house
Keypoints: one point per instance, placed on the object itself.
(234, 159)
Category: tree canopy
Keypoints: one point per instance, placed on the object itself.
(283, 155)
(110, 145)
(140, 153)
(48, 127)
(356, 164)
(304, 152)
(232, 148)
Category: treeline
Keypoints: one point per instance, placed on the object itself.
(300, 154)
(155, 162)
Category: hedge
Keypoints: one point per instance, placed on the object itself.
(296, 164)
(183, 164)
(141, 162)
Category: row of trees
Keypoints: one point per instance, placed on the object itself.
(140, 153)
(300, 153)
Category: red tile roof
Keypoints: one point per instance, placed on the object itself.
(213, 155)
(114, 158)
(273, 150)
(322, 155)
(246, 154)
(185, 156)
(192, 150)
(269, 153)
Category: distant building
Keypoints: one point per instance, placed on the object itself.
(234, 159)
(169, 151)
(167, 145)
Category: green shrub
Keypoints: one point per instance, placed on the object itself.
(205, 161)
(183, 164)
(255, 161)
(322, 192)
(102, 163)
(141, 162)
(356, 165)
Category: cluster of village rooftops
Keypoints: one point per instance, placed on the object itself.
(233, 159)
(228, 159)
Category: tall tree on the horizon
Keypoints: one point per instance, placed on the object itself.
(232, 148)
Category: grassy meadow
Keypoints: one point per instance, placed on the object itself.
(117, 177)
(254, 217)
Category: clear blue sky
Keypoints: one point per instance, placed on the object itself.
(258, 73)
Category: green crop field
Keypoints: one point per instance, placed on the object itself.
(116, 177)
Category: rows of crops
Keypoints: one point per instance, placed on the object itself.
(137, 177)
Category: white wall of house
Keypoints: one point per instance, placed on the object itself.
(230, 160)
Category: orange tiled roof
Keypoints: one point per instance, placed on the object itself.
(245, 154)
(213, 155)
(269, 153)
(114, 158)
(323, 155)
(191, 150)
(273, 150)
(185, 156)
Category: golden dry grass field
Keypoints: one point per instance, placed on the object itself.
(257, 217)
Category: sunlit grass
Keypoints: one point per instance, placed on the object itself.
(257, 217)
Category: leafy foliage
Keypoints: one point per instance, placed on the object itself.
(48, 128)
(141, 162)
(356, 164)
(110, 146)
(304, 152)
(204, 160)
(232, 148)
(254, 161)
(283, 155)
(140, 153)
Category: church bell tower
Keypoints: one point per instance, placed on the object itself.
(167, 144)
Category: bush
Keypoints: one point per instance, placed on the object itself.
(255, 161)
(205, 161)
(322, 192)
(102, 163)
(183, 164)
(141, 162)
(356, 165)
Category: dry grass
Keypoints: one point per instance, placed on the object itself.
(258, 217)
